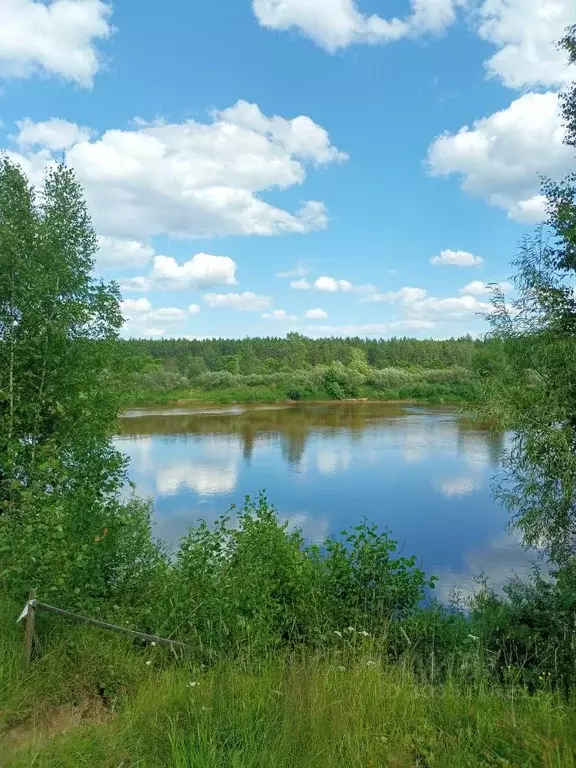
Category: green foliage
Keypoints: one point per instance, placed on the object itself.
(261, 585)
(63, 527)
(532, 391)
(299, 712)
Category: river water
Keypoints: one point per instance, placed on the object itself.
(422, 472)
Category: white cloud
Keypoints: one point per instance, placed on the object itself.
(324, 284)
(247, 301)
(297, 271)
(201, 271)
(371, 329)
(404, 294)
(301, 285)
(316, 314)
(278, 314)
(196, 178)
(450, 308)
(54, 134)
(135, 284)
(335, 24)
(141, 319)
(123, 254)
(449, 258)
(478, 288)
(54, 38)
(526, 32)
(502, 157)
(134, 307)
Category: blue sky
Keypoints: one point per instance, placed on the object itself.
(382, 155)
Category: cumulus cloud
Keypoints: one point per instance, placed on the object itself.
(417, 306)
(372, 329)
(201, 271)
(478, 288)
(122, 254)
(142, 320)
(502, 157)
(134, 307)
(278, 314)
(336, 24)
(449, 258)
(324, 284)
(53, 38)
(404, 294)
(53, 134)
(526, 32)
(298, 271)
(247, 301)
(191, 178)
(451, 308)
(316, 314)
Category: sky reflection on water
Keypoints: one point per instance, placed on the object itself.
(422, 472)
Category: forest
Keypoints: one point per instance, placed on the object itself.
(300, 368)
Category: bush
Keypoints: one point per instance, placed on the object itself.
(160, 380)
(260, 584)
(390, 378)
(341, 382)
(218, 380)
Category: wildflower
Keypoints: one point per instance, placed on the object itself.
(364, 633)
(148, 663)
(370, 663)
(350, 629)
(192, 684)
(152, 644)
(341, 669)
(337, 633)
(472, 637)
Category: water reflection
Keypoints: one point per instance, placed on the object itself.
(422, 472)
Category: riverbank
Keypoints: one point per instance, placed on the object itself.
(456, 394)
(98, 702)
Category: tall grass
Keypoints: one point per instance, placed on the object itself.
(294, 710)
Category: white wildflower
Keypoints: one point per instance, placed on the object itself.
(364, 633)
(473, 637)
(148, 663)
(350, 629)
(336, 632)
(152, 644)
(192, 684)
(341, 669)
(370, 663)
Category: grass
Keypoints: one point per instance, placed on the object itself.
(93, 700)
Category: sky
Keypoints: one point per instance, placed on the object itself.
(331, 167)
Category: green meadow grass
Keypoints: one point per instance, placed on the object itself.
(94, 699)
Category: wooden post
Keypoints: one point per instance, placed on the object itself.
(29, 636)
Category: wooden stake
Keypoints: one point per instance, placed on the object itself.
(29, 636)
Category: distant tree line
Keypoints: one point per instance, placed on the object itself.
(301, 368)
(296, 352)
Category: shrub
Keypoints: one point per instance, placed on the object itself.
(218, 380)
(390, 378)
(341, 382)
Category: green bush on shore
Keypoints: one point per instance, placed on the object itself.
(334, 382)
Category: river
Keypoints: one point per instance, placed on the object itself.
(423, 472)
